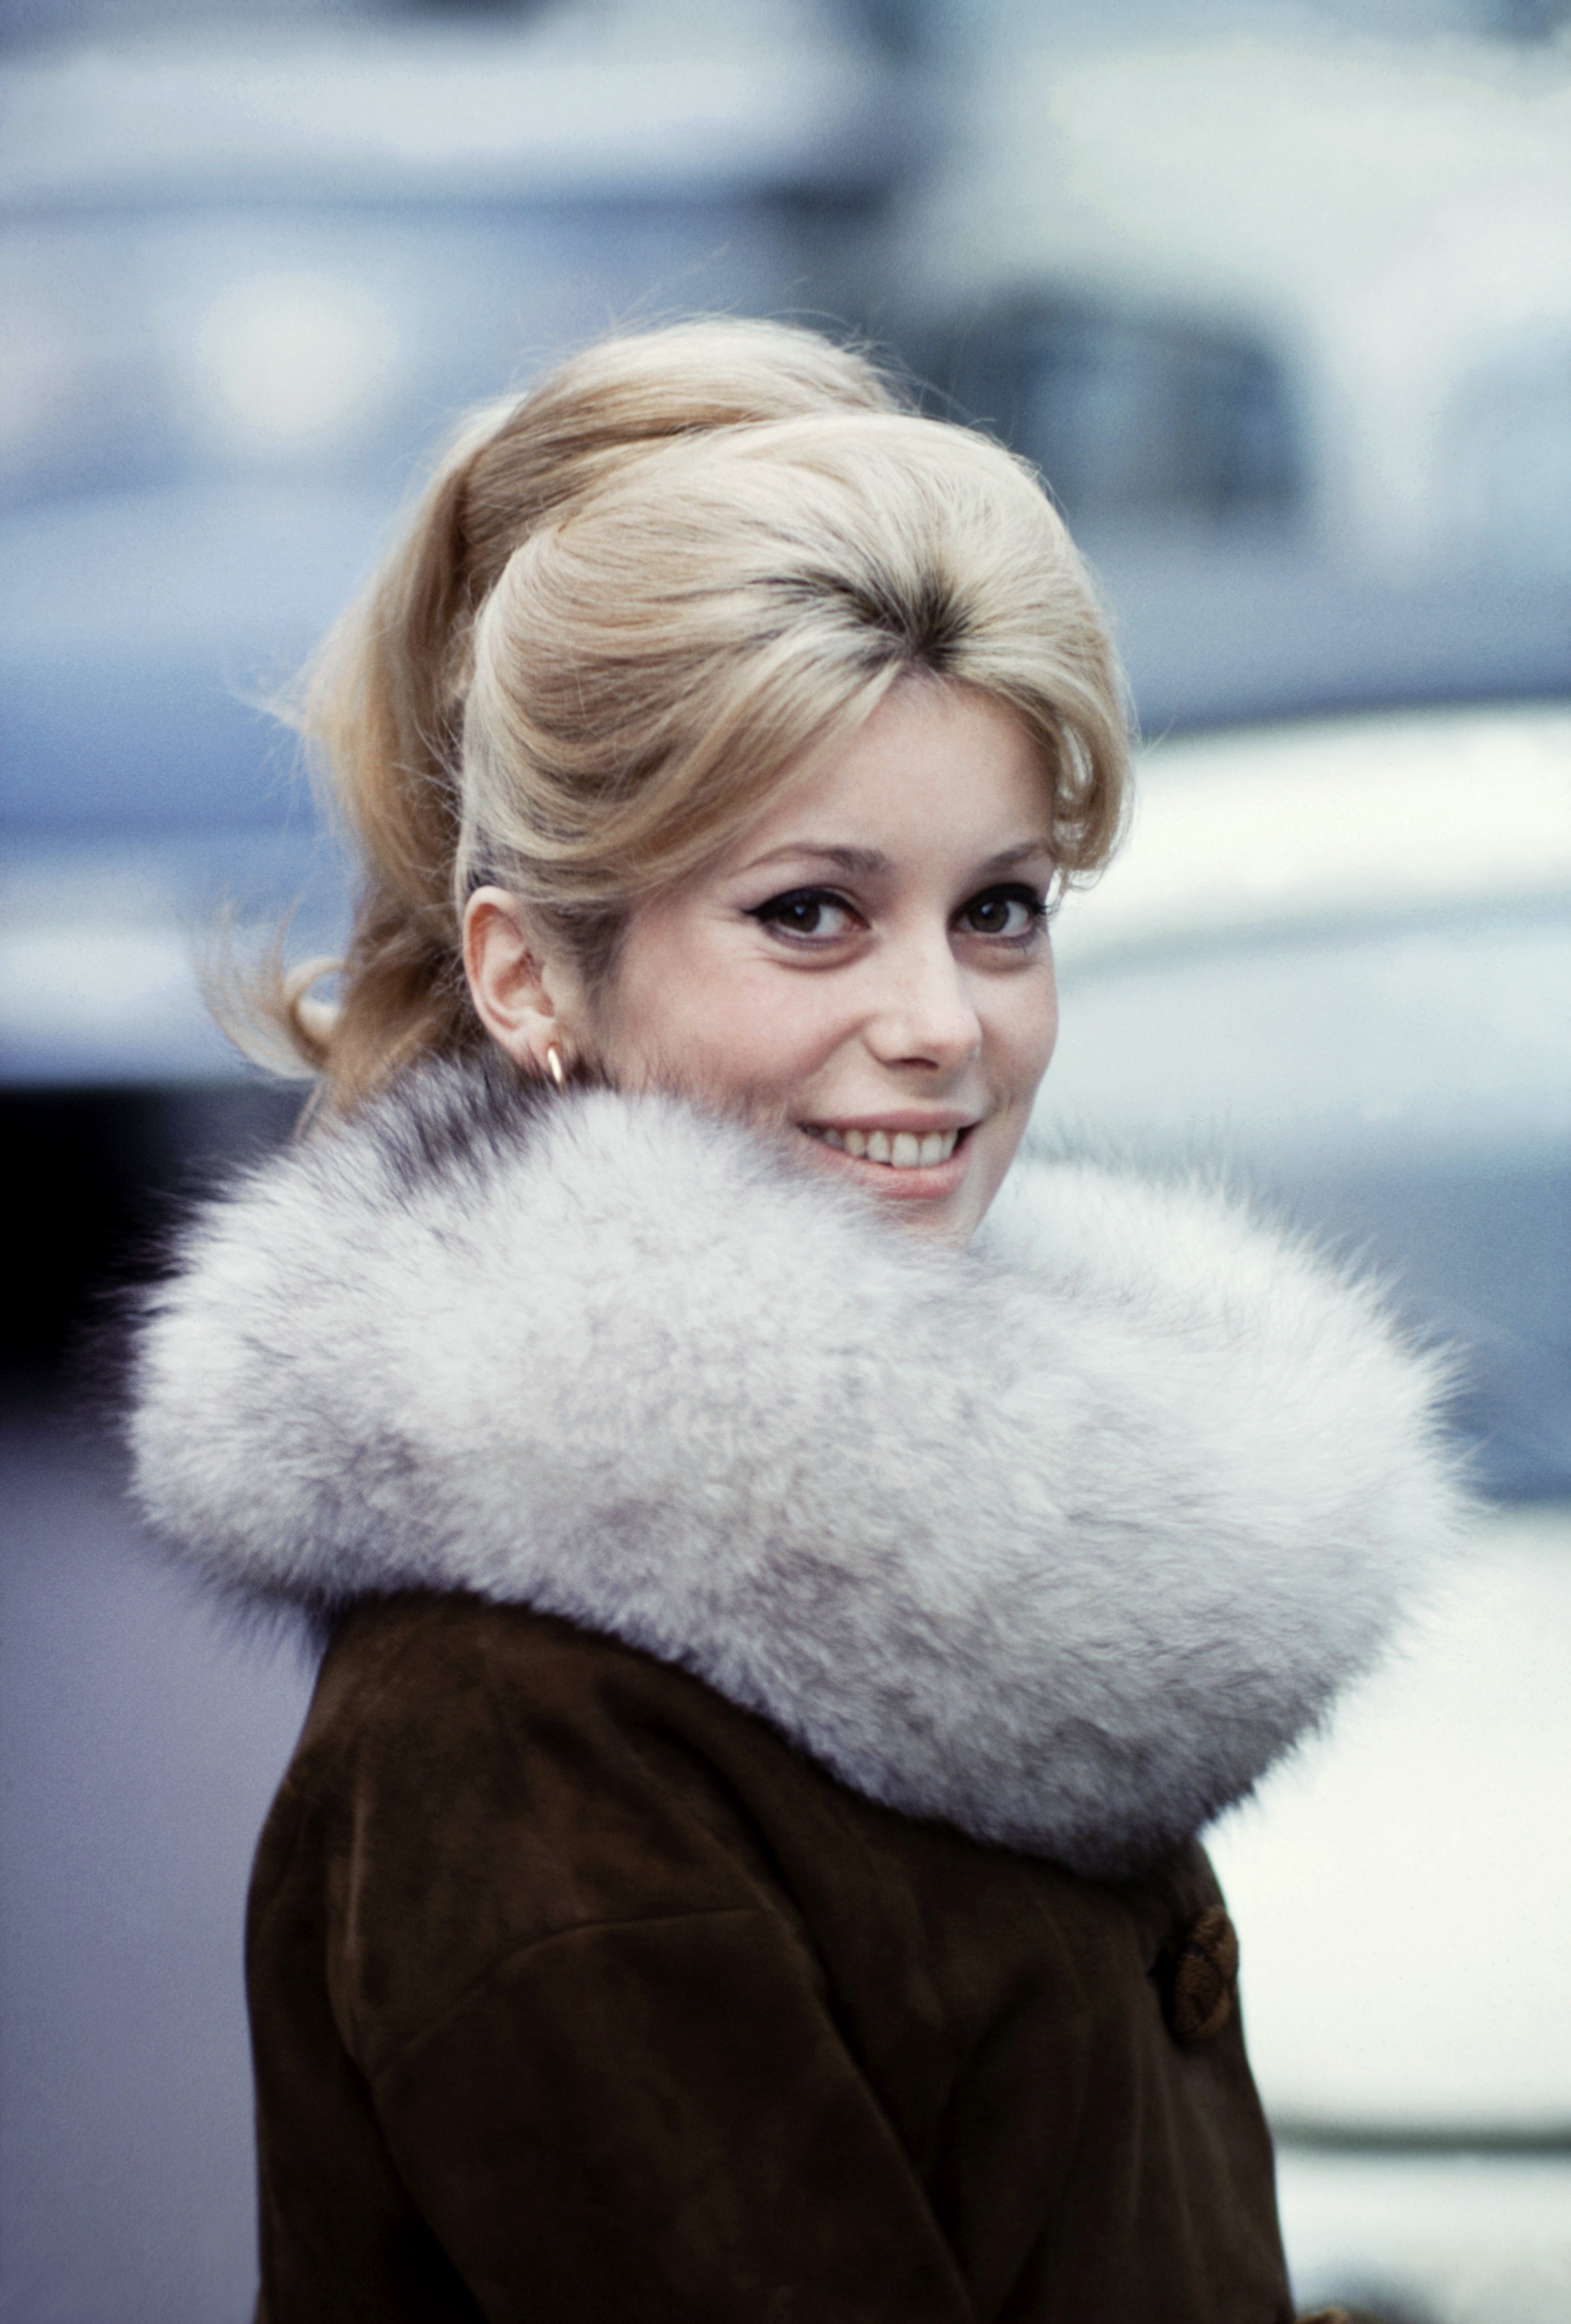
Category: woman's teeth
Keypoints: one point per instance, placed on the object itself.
(902, 1149)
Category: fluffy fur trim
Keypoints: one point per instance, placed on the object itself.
(1063, 1539)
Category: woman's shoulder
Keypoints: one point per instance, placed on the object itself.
(435, 1660)
(455, 1703)
(475, 1782)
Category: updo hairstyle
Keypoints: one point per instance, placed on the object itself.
(681, 567)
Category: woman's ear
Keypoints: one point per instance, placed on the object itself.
(518, 989)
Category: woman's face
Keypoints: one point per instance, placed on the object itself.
(869, 964)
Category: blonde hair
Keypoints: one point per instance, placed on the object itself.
(630, 605)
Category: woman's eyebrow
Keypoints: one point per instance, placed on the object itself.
(865, 861)
(1008, 857)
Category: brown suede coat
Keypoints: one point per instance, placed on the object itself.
(740, 1866)
(578, 1995)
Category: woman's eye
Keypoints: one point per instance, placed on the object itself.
(805, 912)
(1004, 912)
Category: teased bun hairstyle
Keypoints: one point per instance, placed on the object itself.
(628, 605)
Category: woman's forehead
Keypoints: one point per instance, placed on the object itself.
(932, 770)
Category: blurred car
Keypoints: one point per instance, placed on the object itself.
(252, 275)
(1334, 964)
(1283, 315)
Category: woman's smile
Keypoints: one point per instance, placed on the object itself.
(900, 1157)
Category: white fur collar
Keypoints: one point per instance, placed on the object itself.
(1063, 1539)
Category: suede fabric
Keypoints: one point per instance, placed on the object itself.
(578, 1993)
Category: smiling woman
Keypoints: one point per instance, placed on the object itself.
(742, 1859)
(894, 999)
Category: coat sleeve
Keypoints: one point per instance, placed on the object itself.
(656, 2120)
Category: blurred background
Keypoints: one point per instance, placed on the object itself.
(1279, 299)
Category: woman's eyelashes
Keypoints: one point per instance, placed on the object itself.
(1011, 916)
(811, 914)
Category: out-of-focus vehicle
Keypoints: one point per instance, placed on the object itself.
(1283, 314)
(1335, 961)
(251, 274)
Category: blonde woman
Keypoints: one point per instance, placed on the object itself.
(795, 1578)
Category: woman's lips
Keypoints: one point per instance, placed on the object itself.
(906, 1165)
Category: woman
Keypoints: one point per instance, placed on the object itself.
(782, 1643)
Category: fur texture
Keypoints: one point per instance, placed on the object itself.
(1063, 1539)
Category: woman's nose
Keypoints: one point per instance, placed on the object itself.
(924, 1014)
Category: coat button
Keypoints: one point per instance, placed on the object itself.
(1199, 1977)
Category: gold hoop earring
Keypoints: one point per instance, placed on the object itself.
(554, 1065)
